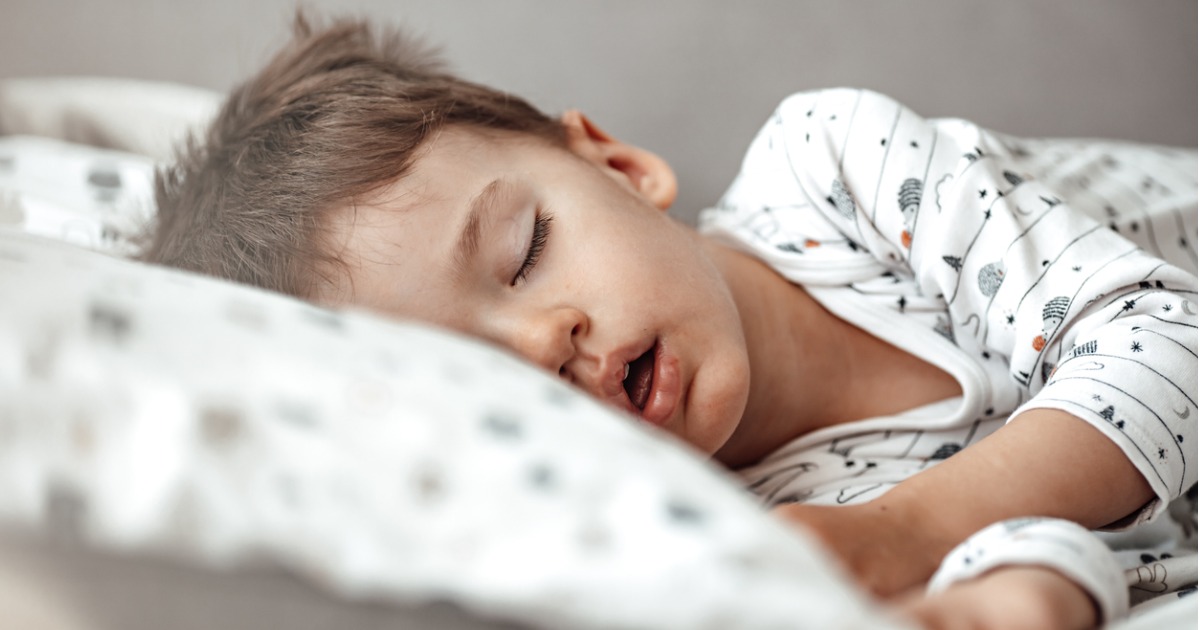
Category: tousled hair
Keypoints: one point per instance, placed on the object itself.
(338, 113)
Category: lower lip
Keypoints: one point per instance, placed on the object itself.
(664, 389)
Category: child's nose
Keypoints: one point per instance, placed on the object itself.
(548, 337)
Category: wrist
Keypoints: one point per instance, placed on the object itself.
(881, 545)
(904, 547)
(926, 536)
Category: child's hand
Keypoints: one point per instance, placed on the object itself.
(1016, 597)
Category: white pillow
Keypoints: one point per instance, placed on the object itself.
(150, 410)
(92, 197)
(143, 117)
(144, 408)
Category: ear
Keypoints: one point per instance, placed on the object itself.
(648, 174)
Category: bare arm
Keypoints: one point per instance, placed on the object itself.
(1043, 463)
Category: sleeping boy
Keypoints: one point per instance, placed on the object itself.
(875, 293)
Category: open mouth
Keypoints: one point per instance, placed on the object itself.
(639, 378)
(653, 385)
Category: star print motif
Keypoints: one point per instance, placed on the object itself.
(944, 174)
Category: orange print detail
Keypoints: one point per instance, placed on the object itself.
(1039, 342)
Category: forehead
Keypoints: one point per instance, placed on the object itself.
(454, 163)
(376, 231)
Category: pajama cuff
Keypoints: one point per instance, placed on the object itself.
(1057, 544)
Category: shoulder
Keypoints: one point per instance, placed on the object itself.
(819, 105)
(833, 129)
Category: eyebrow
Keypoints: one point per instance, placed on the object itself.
(468, 239)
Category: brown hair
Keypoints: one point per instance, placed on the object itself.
(336, 114)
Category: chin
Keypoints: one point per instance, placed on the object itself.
(715, 420)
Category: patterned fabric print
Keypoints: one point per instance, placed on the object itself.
(1039, 273)
(95, 198)
(148, 410)
(859, 467)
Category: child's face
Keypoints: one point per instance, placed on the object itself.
(574, 267)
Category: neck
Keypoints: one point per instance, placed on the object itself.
(799, 360)
(809, 369)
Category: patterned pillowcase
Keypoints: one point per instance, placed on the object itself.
(95, 198)
(152, 410)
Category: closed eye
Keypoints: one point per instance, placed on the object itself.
(537, 242)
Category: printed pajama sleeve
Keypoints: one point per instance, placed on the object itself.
(1086, 320)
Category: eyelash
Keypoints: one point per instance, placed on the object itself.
(541, 233)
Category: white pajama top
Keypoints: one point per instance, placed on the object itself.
(1039, 273)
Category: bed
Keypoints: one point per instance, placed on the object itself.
(179, 451)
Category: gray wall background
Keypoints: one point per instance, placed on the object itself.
(694, 79)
